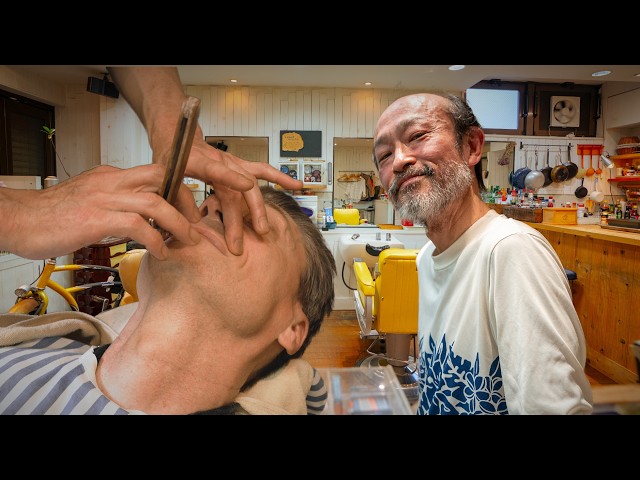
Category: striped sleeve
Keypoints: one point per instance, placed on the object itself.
(317, 395)
(51, 376)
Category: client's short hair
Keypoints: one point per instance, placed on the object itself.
(315, 291)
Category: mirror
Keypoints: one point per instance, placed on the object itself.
(498, 159)
(355, 179)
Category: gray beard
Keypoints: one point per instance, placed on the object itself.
(451, 182)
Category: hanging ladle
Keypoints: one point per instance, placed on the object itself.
(598, 151)
(590, 170)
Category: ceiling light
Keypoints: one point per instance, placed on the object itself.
(637, 75)
(601, 73)
(456, 67)
(367, 83)
(233, 80)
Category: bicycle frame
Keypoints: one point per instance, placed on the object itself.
(35, 301)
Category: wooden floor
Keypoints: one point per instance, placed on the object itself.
(338, 344)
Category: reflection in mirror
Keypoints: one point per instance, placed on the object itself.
(355, 179)
(498, 159)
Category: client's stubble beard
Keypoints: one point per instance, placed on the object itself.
(450, 183)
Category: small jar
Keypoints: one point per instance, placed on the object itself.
(604, 218)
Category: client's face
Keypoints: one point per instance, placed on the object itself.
(253, 292)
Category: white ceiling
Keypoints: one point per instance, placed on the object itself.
(405, 77)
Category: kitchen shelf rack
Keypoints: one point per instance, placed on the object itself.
(626, 182)
(628, 156)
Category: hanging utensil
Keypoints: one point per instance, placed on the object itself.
(599, 151)
(547, 173)
(559, 173)
(520, 174)
(590, 170)
(581, 191)
(597, 196)
(535, 178)
(581, 171)
(571, 167)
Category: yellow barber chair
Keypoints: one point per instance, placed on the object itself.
(128, 269)
(386, 303)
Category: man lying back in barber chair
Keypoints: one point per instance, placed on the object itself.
(209, 329)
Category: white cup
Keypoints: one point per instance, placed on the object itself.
(596, 196)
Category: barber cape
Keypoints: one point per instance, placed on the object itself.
(285, 392)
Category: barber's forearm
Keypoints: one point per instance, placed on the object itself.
(156, 95)
(18, 221)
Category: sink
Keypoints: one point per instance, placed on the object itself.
(354, 245)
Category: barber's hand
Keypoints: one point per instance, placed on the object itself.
(235, 180)
(100, 202)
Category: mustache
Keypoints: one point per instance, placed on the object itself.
(399, 179)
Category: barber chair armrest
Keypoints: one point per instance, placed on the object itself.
(363, 296)
(363, 277)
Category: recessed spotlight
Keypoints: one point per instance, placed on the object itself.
(456, 67)
(601, 73)
(233, 80)
(367, 84)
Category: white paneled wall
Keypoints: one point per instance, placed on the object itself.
(253, 111)
(264, 111)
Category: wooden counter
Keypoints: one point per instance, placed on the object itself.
(591, 231)
(606, 294)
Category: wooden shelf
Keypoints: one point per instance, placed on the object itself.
(625, 179)
(628, 156)
(626, 182)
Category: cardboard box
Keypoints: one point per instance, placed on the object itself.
(560, 216)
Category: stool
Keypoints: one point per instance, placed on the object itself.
(571, 276)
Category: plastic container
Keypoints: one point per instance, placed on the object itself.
(364, 391)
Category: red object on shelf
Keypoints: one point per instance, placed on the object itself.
(407, 223)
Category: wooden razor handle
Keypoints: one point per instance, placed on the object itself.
(180, 149)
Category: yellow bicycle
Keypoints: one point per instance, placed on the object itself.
(34, 300)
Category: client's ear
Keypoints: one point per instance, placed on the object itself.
(294, 335)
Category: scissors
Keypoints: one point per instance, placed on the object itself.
(180, 149)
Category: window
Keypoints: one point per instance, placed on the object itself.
(24, 147)
(540, 109)
(500, 107)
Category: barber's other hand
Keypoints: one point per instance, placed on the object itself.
(234, 181)
(101, 202)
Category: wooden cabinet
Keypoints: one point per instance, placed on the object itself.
(606, 293)
(623, 109)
